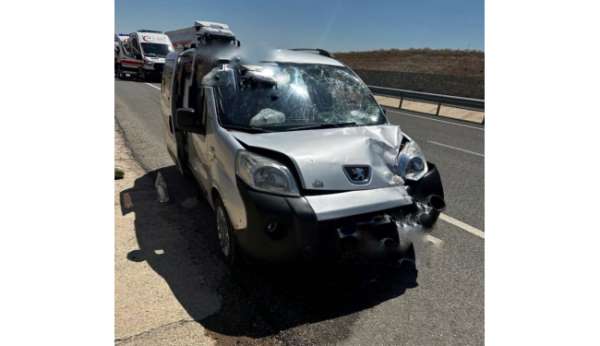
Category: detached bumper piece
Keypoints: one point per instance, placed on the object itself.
(286, 228)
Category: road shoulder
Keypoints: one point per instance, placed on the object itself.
(146, 312)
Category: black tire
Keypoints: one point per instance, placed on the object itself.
(228, 247)
(118, 71)
(409, 253)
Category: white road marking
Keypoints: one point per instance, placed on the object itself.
(465, 227)
(152, 85)
(456, 148)
(433, 240)
(439, 121)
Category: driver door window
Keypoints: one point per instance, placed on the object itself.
(199, 106)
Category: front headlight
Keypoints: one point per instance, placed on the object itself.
(264, 174)
(411, 162)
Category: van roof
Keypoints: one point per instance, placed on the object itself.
(278, 56)
(303, 57)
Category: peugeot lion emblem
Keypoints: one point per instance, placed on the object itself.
(358, 174)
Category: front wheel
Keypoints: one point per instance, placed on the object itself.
(118, 71)
(227, 240)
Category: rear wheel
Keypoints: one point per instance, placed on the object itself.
(227, 240)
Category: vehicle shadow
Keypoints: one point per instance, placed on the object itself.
(178, 240)
(137, 79)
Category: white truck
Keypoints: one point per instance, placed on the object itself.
(202, 33)
(149, 47)
(126, 65)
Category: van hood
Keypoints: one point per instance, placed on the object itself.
(335, 159)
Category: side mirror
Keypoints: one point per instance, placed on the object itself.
(186, 119)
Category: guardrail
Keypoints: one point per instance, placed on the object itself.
(436, 98)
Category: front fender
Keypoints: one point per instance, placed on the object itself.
(429, 184)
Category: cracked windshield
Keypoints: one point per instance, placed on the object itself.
(284, 97)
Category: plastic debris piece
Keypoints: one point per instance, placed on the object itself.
(119, 174)
(190, 203)
(161, 188)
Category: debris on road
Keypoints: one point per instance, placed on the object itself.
(161, 188)
(190, 203)
(119, 173)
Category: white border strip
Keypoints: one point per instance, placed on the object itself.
(465, 227)
(456, 148)
(152, 85)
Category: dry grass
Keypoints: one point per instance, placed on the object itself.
(461, 63)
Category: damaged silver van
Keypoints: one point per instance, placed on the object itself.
(296, 157)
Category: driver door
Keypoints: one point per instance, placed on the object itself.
(199, 154)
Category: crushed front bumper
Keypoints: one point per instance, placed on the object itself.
(366, 224)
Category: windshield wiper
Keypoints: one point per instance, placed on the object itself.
(320, 126)
(250, 129)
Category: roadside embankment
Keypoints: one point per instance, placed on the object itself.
(146, 310)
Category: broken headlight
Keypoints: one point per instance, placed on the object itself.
(411, 162)
(264, 174)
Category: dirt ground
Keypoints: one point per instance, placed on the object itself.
(146, 311)
(464, 63)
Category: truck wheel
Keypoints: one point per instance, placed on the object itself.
(227, 240)
(118, 71)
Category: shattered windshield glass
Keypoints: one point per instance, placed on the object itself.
(284, 97)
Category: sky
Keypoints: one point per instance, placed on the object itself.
(334, 25)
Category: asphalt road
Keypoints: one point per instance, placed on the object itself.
(441, 303)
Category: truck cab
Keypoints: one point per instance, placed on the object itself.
(202, 34)
(126, 65)
(151, 49)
